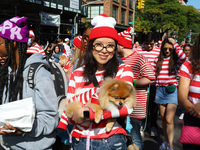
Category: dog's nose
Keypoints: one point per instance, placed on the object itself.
(120, 103)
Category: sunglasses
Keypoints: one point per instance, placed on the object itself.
(170, 49)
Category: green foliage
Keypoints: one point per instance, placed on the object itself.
(163, 15)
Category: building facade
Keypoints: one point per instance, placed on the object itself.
(42, 15)
(121, 10)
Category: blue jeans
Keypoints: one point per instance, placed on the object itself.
(116, 141)
(135, 132)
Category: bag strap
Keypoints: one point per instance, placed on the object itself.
(33, 69)
(94, 81)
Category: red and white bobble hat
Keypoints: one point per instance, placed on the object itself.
(125, 38)
(31, 33)
(104, 26)
(77, 43)
(160, 42)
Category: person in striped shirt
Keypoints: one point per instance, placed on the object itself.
(165, 66)
(100, 62)
(34, 47)
(188, 91)
(150, 51)
(143, 76)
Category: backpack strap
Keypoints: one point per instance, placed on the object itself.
(60, 80)
(95, 82)
(33, 69)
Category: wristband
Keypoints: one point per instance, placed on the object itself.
(134, 82)
(86, 114)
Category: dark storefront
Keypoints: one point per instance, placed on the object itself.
(69, 11)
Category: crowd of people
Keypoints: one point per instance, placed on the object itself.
(165, 76)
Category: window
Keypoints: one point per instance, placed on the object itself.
(95, 10)
(131, 4)
(123, 16)
(115, 12)
(130, 17)
(123, 2)
(115, 1)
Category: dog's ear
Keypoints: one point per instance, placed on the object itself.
(115, 87)
(130, 88)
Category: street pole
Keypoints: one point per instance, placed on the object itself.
(133, 34)
(75, 25)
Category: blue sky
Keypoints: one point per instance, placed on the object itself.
(194, 3)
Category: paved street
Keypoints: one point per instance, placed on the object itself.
(154, 143)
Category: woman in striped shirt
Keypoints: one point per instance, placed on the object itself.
(165, 66)
(100, 62)
(189, 91)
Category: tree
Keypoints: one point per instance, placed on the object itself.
(193, 22)
(161, 16)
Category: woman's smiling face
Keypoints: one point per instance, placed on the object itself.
(103, 56)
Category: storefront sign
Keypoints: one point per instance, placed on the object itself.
(50, 19)
(74, 4)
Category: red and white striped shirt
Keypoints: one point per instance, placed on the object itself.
(97, 131)
(164, 79)
(36, 49)
(150, 55)
(141, 68)
(194, 91)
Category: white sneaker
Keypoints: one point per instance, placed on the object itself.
(181, 116)
(142, 132)
(154, 132)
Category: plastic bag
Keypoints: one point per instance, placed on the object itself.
(20, 114)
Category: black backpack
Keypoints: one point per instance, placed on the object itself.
(59, 77)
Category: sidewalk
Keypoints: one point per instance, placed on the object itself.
(151, 143)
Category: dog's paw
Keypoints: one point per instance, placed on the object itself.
(98, 115)
(97, 119)
(108, 128)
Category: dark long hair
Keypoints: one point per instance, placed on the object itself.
(195, 57)
(85, 38)
(172, 60)
(111, 67)
(15, 87)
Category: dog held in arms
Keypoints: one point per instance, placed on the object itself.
(113, 94)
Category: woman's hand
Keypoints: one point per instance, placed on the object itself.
(173, 41)
(194, 110)
(9, 129)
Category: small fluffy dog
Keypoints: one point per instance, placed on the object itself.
(112, 95)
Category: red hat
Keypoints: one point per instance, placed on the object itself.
(31, 33)
(125, 38)
(103, 27)
(77, 43)
(160, 42)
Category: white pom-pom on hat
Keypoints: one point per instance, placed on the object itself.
(127, 34)
(103, 27)
(103, 20)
